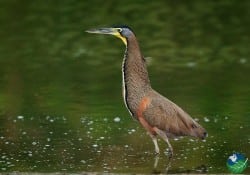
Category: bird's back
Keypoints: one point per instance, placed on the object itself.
(170, 118)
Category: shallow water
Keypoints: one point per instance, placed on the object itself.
(61, 107)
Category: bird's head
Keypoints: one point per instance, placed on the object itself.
(122, 32)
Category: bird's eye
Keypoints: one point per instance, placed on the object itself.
(119, 30)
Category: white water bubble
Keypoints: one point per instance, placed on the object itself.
(243, 60)
(206, 119)
(63, 118)
(90, 122)
(82, 120)
(79, 139)
(133, 130)
(83, 161)
(20, 117)
(117, 119)
(191, 64)
(95, 145)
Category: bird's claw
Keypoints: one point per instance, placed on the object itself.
(169, 153)
(157, 152)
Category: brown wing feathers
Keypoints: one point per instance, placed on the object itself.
(167, 116)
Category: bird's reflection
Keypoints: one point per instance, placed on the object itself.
(156, 161)
(169, 160)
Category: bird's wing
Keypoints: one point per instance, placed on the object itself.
(167, 116)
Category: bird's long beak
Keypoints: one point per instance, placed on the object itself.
(109, 31)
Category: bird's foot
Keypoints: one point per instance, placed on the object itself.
(157, 151)
(169, 153)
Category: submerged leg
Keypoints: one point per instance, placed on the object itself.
(151, 132)
(154, 139)
(156, 161)
(163, 135)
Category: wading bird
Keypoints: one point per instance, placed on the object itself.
(157, 114)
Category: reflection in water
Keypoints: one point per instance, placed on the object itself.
(156, 161)
(168, 170)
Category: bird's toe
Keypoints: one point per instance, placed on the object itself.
(169, 153)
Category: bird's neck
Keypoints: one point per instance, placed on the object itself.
(134, 66)
(135, 75)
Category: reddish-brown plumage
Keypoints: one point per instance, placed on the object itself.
(142, 107)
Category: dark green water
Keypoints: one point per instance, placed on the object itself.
(61, 107)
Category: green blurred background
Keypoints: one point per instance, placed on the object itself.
(61, 108)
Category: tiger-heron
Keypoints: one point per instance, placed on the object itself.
(157, 114)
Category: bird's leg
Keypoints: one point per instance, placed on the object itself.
(151, 132)
(154, 139)
(163, 135)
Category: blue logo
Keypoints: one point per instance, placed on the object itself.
(237, 163)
